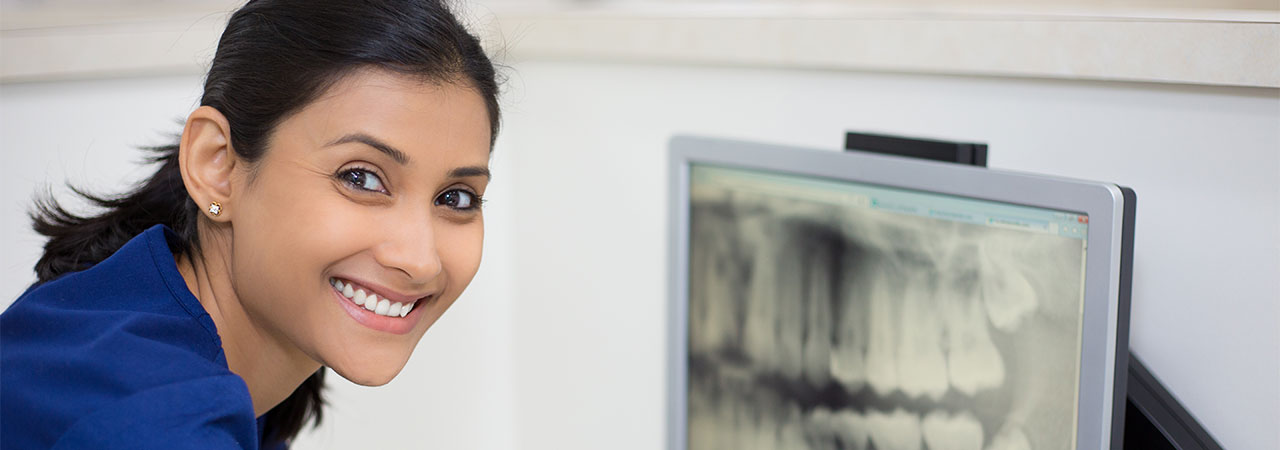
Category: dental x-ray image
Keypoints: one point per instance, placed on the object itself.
(817, 324)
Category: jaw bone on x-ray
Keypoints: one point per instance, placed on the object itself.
(815, 325)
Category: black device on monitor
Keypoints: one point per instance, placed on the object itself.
(829, 300)
(969, 153)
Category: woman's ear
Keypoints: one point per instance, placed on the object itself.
(206, 160)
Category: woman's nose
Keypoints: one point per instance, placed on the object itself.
(411, 248)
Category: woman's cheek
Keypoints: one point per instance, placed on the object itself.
(465, 247)
(341, 222)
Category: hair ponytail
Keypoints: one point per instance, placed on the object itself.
(274, 57)
(78, 242)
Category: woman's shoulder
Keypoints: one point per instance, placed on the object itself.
(204, 413)
(135, 293)
(120, 400)
(113, 344)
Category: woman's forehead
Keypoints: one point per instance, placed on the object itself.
(398, 115)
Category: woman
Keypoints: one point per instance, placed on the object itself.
(321, 209)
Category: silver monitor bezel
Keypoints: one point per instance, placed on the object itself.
(1102, 202)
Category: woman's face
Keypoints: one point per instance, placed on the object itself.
(372, 190)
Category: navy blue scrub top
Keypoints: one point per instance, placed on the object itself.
(117, 356)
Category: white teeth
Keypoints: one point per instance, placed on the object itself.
(371, 302)
(943, 431)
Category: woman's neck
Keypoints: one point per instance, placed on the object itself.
(269, 364)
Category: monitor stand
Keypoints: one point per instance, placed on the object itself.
(1155, 420)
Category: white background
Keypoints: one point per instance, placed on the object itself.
(559, 343)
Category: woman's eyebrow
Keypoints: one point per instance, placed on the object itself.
(397, 155)
(472, 171)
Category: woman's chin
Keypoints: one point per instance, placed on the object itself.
(370, 373)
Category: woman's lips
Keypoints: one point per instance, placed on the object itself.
(382, 291)
(362, 296)
(374, 311)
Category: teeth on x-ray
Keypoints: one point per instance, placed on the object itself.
(848, 353)
(898, 430)
(817, 330)
(944, 431)
(820, 430)
(851, 430)
(1010, 439)
(814, 326)
(825, 430)
(922, 368)
(974, 363)
(1008, 298)
(882, 365)
(760, 333)
(719, 322)
(789, 328)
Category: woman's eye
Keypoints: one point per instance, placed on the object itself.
(364, 180)
(458, 199)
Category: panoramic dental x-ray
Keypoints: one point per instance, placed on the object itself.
(824, 325)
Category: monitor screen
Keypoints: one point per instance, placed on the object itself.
(836, 301)
(829, 314)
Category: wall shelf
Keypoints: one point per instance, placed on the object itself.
(1203, 47)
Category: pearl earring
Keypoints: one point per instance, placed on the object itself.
(215, 208)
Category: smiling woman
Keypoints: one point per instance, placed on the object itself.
(322, 208)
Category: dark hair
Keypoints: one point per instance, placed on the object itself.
(275, 57)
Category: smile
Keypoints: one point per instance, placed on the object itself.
(370, 301)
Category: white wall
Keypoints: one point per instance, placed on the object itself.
(559, 343)
(588, 149)
(82, 131)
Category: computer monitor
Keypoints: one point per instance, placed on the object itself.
(830, 300)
